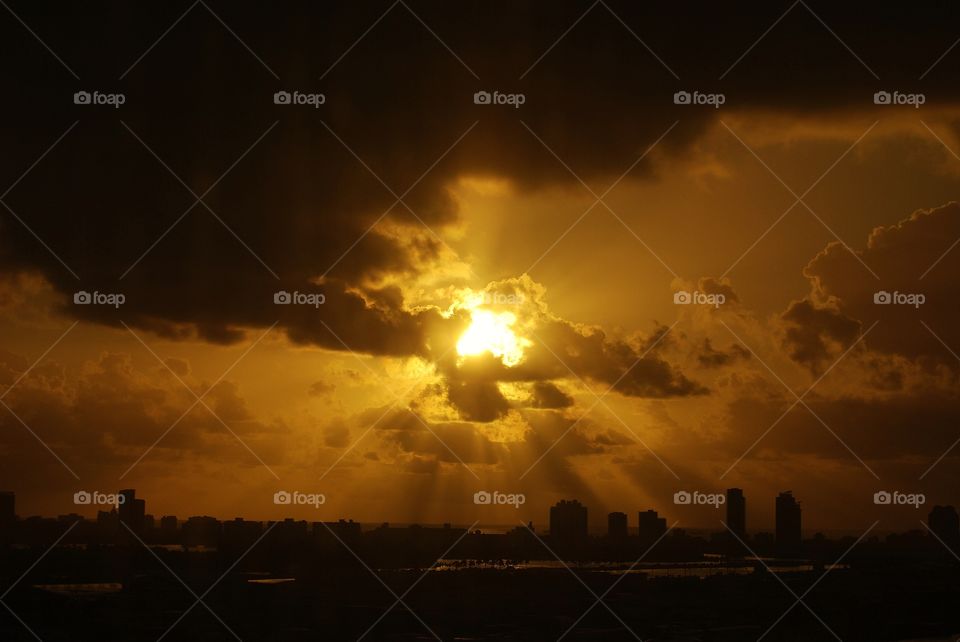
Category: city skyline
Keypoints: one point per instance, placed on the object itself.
(650, 524)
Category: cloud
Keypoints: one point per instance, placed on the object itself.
(317, 195)
(711, 357)
(477, 400)
(102, 419)
(548, 395)
(815, 335)
(911, 257)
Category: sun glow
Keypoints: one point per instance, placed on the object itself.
(492, 332)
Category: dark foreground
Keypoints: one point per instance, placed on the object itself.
(873, 605)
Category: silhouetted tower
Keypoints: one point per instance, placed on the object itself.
(944, 523)
(8, 508)
(737, 512)
(651, 526)
(617, 525)
(132, 510)
(789, 536)
(568, 521)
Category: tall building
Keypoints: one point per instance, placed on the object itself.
(568, 521)
(617, 525)
(8, 508)
(789, 538)
(132, 510)
(737, 512)
(651, 526)
(944, 523)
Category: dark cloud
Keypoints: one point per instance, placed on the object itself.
(296, 204)
(336, 435)
(710, 357)
(815, 335)
(548, 395)
(912, 257)
(451, 442)
(321, 388)
(100, 421)
(477, 400)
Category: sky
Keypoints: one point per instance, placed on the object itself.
(586, 287)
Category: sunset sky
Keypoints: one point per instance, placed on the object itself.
(499, 280)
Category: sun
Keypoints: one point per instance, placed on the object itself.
(492, 332)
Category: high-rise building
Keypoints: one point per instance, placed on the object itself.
(8, 508)
(789, 538)
(617, 525)
(737, 512)
(132, 510)
(944, 523)
(568, 521)
(651, 526)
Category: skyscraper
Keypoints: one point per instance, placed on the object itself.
(737, 512)
(8, 507)
(651, 526)
(944, 523)
(132, 510)
(789, 536)
(617, 525)
(568, 521)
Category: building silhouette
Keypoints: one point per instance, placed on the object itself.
(651, 526)
(568, 521)
(617, 525)
(737, 512)
(8, 508)
(789, 536)
(131, 510)
(944, 523)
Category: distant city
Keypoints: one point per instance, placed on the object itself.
(127, 521)
(126, 575)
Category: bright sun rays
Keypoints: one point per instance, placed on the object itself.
(492, 332)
